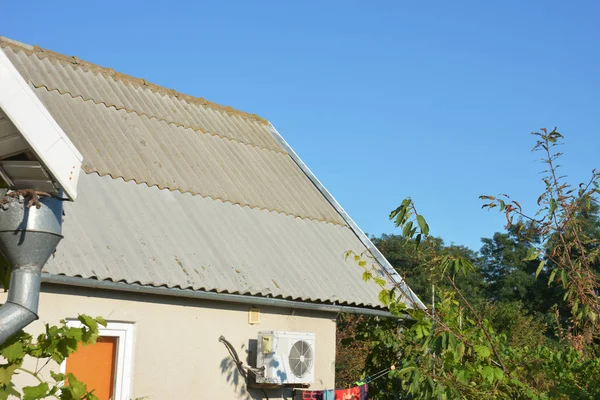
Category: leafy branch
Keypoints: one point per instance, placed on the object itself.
(558, 238)
(55, 344)
(453, 351)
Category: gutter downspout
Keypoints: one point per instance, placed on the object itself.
(28, 236)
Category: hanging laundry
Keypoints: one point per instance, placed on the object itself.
(329, 394)
(348, 394)
(355, 393)
(364, 392)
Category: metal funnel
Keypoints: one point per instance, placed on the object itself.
(28, 237)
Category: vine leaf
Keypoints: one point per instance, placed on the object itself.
(35, 392)
(13, 352)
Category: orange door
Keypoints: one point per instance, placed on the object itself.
(94, 365)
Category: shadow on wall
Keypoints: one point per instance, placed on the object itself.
(240, 384)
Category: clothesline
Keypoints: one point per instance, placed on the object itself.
(375, 376)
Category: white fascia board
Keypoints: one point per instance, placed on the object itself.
(46, 138)
(390, 271)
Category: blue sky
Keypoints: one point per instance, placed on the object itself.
(383, 100)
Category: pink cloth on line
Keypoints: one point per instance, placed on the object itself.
(348, 394)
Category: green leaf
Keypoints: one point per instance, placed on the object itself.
(384, 297)
(91, 396)
(552, 274)
(380, 281)
(460, 350)
(13, 352)
(462, 375)
(552, 206)
(461, 265)
(407, 229)
(74, 333)
(401, 214)
(8, 391)
(418, 240)
(76, 387)
(66, 347)
(532, 254)
(482, 351)
(394, 213)
(451, 340)
(422, 329)
(57, 376)
(396, 308)
(487, 373)
(491, 374)
(423, 225)
(35, 392)
(366, 276)
(540, 268)
(406, 370)
(7, 372)
(499, 375)
(563, 277)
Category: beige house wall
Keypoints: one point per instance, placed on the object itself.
(177, 352)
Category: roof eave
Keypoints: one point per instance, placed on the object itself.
(209, 296)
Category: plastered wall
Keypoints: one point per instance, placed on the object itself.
(177, 353)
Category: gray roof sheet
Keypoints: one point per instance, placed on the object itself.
(181, 192)
(138, 132)
(122, 231)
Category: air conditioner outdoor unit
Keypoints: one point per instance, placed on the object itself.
(287, 357)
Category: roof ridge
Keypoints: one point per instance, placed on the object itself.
(154, 117)
(113, 176)
(138, 82)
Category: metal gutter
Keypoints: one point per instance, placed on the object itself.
(387, 267)
(212, 296)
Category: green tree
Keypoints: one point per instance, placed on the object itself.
(413, 263)
(511, 277)
(457, 351)
(368, 347)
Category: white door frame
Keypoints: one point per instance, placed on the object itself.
(125, 334)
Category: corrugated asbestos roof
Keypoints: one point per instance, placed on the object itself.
(181, 192)
(138, 234)
(130, 130)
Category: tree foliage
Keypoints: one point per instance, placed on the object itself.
(519, 320)
(55, 344)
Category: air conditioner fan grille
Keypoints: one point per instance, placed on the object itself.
(301, 358)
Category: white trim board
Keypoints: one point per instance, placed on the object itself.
(43, 134)
(125, 334)
(385, 264)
